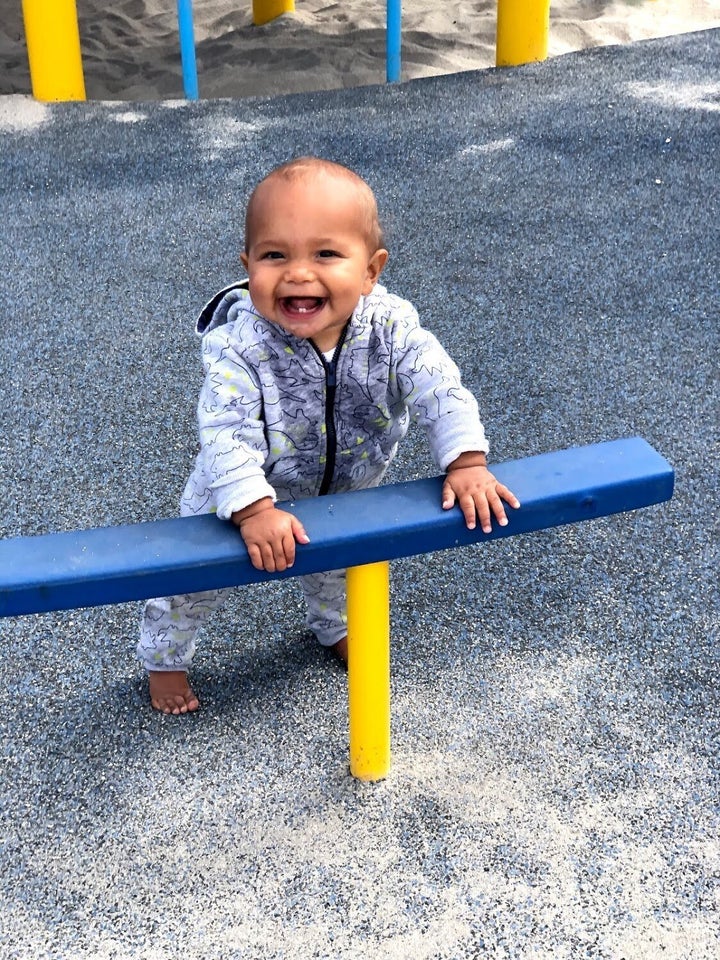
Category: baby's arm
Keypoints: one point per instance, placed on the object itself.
(470, 484)
(269, 534)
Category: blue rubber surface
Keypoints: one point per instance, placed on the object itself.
(556, 716)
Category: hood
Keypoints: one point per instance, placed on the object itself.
(223, 307)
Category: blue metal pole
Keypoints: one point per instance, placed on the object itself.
(393, 40)
(187, 49)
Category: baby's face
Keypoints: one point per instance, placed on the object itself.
(308, 258)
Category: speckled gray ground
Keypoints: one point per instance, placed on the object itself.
(555, 697)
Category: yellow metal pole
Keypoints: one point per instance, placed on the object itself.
(368, 609)
(266, 10)
(53, 45)
(522, 31)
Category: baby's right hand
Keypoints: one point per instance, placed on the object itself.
(270, 535)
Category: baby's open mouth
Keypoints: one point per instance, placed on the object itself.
(301, 306)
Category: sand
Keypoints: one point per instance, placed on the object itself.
(131, 51)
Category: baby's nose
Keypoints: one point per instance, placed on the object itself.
(299, 271)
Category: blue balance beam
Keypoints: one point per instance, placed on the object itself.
(62, 571)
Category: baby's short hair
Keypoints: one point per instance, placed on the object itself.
(306, 167)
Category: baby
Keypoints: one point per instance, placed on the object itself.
(313, 374)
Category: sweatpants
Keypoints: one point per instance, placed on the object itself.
(170, 625)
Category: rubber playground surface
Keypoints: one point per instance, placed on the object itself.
(556, 714)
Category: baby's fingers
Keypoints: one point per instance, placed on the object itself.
(473, 504)
(495, 498)
(273, 554)
(285, 555)
(448, 496)
(272, 558)
(508, 496)
(298, 531)
(284, 548)
(255, 556)
(481, 505)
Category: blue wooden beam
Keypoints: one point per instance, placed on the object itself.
(62, 571)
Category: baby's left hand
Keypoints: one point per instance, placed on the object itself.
(479, 495)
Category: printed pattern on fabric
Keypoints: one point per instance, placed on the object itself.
(170, 625)
(263, 417)
(262, 409)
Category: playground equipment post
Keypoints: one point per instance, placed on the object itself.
(522, 31)
(53, 44)
(56, 72)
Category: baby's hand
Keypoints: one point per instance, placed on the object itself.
(270, 535)
(478, 493)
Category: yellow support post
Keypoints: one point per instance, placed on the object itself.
(522, 31)
(53, 44)
(266, 10)
(368, 610)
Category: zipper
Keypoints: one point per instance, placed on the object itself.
(330, 432)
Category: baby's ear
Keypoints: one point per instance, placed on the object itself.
(244, 260)
(375, 267)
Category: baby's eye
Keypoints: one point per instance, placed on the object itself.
(328, 254)
(271, 255)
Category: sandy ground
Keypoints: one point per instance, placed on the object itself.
(131, 49)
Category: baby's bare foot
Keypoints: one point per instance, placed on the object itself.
(170, 692)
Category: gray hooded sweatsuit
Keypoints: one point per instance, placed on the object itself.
(278, 419)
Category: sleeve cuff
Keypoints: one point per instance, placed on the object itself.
(237, 496)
